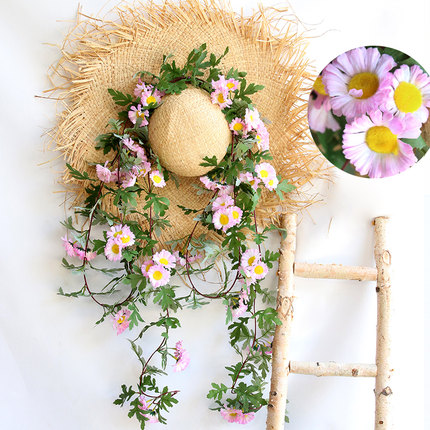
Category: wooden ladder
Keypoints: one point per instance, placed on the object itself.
(282, 365)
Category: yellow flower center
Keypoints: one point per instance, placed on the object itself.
(235, 214)
(115, 248)
(408, 97)
(380, 139)
(156, 179)
(230, 85)
(258, 138)
(264, 173)
(125, 239)
(117, 233)
(251, 260)
(141, 114)
(367, 82)
(223, 219)
(258, 270)
(319, 86)
(121, 319)
(220, 98)
(157, 275)
(148, 267)
(271, 182)
(238, 126)
(252, 182)
(151, 99)
(164, 261)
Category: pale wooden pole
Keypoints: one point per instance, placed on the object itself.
(331, 368)
(383, 391)
(335, 271)
(281, 341)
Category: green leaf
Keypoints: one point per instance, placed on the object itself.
(418, 143)
(120, 98)
(78, 175)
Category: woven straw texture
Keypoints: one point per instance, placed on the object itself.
(186, 128)
(101, 54)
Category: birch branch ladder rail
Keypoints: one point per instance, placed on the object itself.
(282, 365)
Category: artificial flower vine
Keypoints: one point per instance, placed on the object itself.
(150, 271)
(366, 111)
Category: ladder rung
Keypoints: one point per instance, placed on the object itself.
(330, 368)
(335, 271)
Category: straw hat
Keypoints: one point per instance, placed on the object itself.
(99, 54)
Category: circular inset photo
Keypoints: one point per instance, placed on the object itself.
(367, 109)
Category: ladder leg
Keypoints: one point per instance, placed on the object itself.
(383, 392)
(280, 351)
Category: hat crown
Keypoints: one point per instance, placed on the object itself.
(186, 128)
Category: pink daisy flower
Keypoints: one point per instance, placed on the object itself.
(320, 116)
(231, 415)
(223, 219)
(221, 98)
(142, 169)
(246, 418)
(271, 183)
(165, 258)
(373, 144)
(409, 93)
(252, 119)
(127, 179)
(157, 179)
(136, 113)
(123, 233)
(149, 97)
(147, 264)
(182, 358)
(121, 321)
(242, 304)
(128, 143)
(103, 173)
(357, 81)
(225, 190)
(262, 137)
(222, 202)
(82, 255)
(210, 185)
(232, 84)
(237, 126)
(236, 214)
(139, 151)
(68, 246)
(250, 257)
(144, 406)
(141, 87)
(250, 178)
(113, 250)
(265, 171)
(158, 275)
(257, 271)
(180, 261)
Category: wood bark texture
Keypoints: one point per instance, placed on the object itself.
(383, 391)
(280, 355)
(335, 271)
(331, 368)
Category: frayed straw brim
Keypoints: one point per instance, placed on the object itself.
(100, 54)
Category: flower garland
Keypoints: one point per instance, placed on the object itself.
(366, 111)
(234, 187)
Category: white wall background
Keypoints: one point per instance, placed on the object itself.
(58, 371)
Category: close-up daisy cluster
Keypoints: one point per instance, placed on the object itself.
(366, 111)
